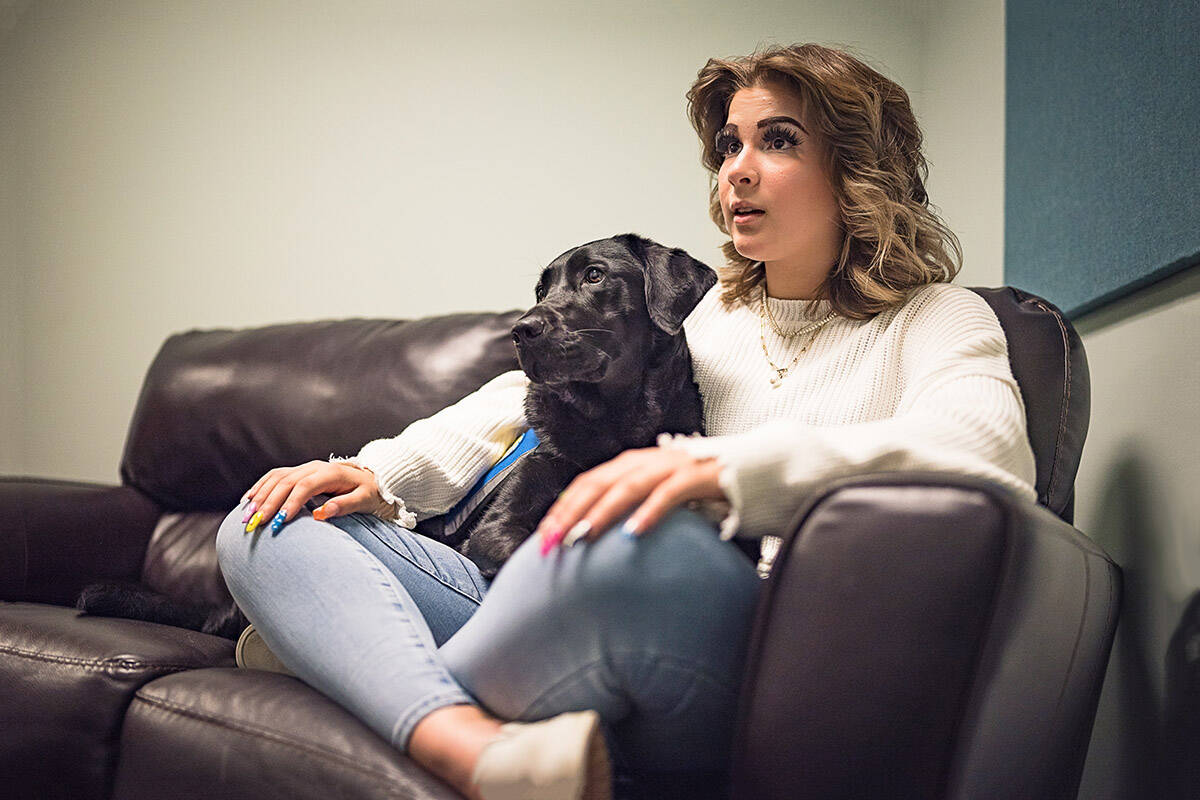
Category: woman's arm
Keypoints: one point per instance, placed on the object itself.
(426, 469)
(972, 424)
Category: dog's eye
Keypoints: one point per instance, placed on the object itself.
(593, 275)
(539, 292)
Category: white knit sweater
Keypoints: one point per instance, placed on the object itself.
(926, 386)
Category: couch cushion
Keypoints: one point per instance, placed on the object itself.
(219, 408)
(234, 733)
(65, 682)
(181, 559)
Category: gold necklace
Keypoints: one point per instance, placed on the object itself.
(766, 311)
(764, 316)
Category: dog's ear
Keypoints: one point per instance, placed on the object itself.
(675, 282)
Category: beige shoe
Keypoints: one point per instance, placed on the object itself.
(252, 653)
(561, 758)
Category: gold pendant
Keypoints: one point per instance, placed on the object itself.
(780, 374)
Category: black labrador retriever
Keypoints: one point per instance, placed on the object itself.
(609, 370)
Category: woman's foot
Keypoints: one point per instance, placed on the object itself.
(252, 653)
(561, 758)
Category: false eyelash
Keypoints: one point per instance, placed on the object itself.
(773, 132)
(780, 132)
(723, 141)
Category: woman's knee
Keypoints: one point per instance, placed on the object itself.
(680, 563)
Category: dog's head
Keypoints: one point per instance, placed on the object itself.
(602, 306)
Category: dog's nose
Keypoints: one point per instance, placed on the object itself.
(528, 329)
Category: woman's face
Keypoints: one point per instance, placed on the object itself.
(775, 194)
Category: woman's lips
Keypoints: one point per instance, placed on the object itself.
(747, 217)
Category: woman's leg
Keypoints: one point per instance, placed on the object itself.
(651, 632)
(356, 607)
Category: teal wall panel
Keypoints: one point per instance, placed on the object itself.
(1102, 163)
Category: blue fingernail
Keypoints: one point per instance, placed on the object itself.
(277, 521)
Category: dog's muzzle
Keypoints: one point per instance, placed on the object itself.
(551, 353)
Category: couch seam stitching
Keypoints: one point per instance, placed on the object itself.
(263, 733)
(1062, 417)
(97, 663)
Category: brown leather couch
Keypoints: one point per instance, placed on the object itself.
(921, 636)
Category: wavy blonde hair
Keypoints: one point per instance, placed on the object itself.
(893, 241)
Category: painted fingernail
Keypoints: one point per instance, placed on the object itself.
(322, 512)
(254, 520)
(550, 541)
(249, 512)
(631, 528)
(580, 530)
(277, 521)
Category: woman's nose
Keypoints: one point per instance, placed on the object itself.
(742, 171)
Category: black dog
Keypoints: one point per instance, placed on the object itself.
(609, 368)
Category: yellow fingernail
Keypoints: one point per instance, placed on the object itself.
(253, 523)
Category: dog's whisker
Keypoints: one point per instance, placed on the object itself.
(594, 333)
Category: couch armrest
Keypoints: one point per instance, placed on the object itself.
(925, 635)
(58, 536)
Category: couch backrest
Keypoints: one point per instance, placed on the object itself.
(1051, 368)
(219, 408)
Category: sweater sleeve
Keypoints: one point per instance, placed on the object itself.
(960, 411)
(426, 469)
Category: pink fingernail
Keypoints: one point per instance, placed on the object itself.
(551, 541)
(249, 512)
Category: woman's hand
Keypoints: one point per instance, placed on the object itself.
(652, 479)
(279, 495)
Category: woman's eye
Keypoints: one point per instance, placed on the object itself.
(727, 145)
(593, 275)
(779, 139)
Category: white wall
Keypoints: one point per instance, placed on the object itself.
(961, 108)
(1136, 496)
(193, 164)
(12, 276)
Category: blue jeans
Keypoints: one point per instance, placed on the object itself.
(650, 632)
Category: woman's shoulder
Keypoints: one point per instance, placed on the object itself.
(938, 306)
(945, 295)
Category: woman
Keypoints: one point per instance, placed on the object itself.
(833, 344)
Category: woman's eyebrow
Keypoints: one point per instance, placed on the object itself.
(732, 129)
(762, 123)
